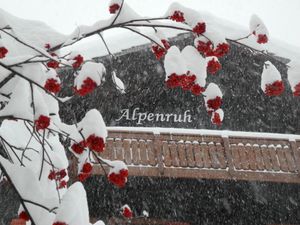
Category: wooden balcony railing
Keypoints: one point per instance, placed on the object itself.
(18, 222)
(205, 154)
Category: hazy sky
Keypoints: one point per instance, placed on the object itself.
(280, 16)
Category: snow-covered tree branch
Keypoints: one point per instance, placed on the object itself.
(32, 156)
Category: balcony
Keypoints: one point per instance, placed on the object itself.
(181, 153)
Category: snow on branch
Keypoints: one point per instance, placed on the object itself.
(32, 135)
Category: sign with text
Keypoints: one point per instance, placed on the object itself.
(142, 117)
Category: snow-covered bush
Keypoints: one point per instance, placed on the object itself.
(32, 156)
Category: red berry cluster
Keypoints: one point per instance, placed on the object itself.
(186, 82)
(214, 104)
(24, 216)
(126, 212)
(200, 28)
(42, 122)
(160, 51)
(262, 38)
(85, 172)
(3, 52)
(87, 87)
(53, 64)
(78, 61)
(118, 179)
(213, 66)
(297, 90)
(274, 89)
(78, 147)
(206, 48)
(93, 142)
(52, 85)
(59, 223)
(216, 119)
(221, 50)
(177, 16)
(58, 176)
(114, 8)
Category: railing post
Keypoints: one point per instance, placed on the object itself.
(296, 154)
(228, 154)
(158, 151)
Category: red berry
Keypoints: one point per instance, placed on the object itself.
(297, 90)
(114, 8)
(118, 179)
(52, 85)
(166, 44)
(62, 173)
(95, 143)
(197, 89)
(87, 168)
(3, 52)
(200, 28)
(42, 122)
(85, 172)
(177, 16)
(127, 212)
(59, 223)
(62, 184)
(214, 103)
(24, 216)
(274, 89)
(78, 61)
(78, 147)
(216, 119)
(52, 175)
(87, 87)
(53, 64)
(262, 39)
(47, 46)
(158, 51)
(173, 81)
(204, 47)
(221, 50)
(124, 173)
(187, 82)
(213, 66)
(83, 176)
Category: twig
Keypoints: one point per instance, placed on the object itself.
(105, 44)
(31, 81)
(118, 14)
(43, 155)
(143, 35)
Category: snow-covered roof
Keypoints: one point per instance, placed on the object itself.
(33, 32)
